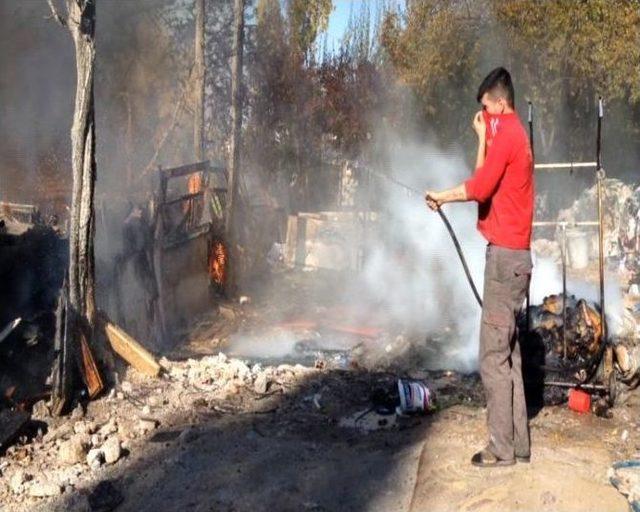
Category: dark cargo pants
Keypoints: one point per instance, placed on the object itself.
(506, 278)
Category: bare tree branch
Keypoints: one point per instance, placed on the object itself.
(55, 15)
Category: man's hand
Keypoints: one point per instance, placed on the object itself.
(436, 199)
(479, 125)
(433, 199)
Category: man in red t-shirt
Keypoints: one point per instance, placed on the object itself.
(503, 187)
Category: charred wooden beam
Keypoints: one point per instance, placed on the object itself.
(62, 373)
(70, 329)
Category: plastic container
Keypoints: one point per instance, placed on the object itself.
(579, 401)
(414, 396)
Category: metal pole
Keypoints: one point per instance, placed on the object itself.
(533, 157)
(567, 165)
(533, 160)
(564, 291)
(546, 223)
(574, 385)
(600, 175)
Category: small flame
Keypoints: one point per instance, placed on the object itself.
(218, 262)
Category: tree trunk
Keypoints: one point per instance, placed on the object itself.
(81, 311)
(81, 23)
(231, 228)
(198, 122)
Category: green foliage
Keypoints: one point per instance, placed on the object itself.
(307, 18)
(562, 53)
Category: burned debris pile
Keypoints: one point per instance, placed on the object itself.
(570, 330)
(33, 256)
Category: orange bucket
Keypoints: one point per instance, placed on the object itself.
(579, 401)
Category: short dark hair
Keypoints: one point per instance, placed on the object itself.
(497, 83)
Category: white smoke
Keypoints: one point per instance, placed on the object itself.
(411, 280)
(412, 274)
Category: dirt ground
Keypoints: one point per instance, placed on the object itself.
(254, 463)
(571, 454)
(283, 452)
(229, 436)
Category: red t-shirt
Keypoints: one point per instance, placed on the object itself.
(503, 186)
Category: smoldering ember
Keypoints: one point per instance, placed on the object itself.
(319, 255)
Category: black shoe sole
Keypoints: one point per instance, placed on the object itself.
(500, 463)
(479, 461)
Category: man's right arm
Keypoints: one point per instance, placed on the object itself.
(482, 152)
(480, 127)
(484, 182)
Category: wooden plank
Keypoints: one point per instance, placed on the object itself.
(185, 170)
(291, 240)
(130, 350)
(89, 368)
(11, 423)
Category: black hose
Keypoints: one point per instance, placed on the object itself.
(454, 238)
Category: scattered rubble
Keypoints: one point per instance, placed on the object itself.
(95, 458)
(44, 489)
(76, 450)
(17, 481)
(111, 450)
(73, 450)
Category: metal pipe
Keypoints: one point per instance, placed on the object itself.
(533, 157)
(533, 160)
(568, 165)
(564, 292)
(565, 223)
(581, 386)
(599, 134)
(600, 176)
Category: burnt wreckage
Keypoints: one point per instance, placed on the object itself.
(565, 340)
